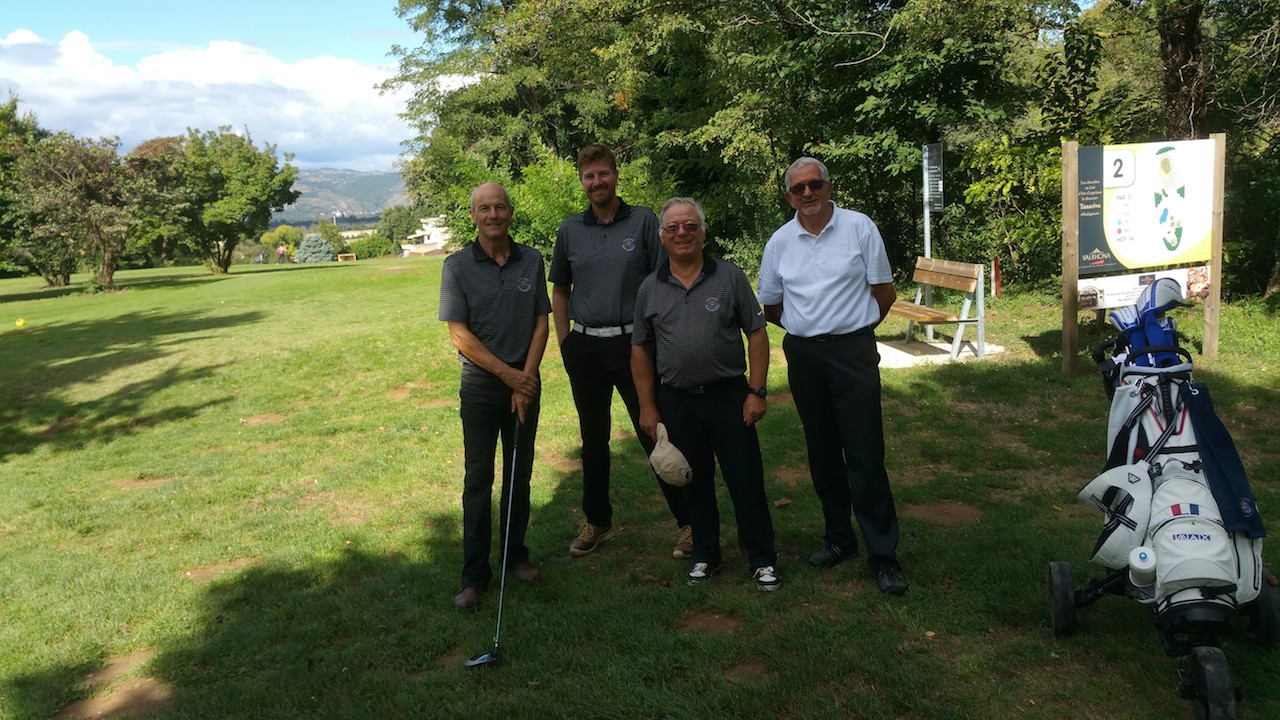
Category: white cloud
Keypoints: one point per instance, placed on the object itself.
(325, 110)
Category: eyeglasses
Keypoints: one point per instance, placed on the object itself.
(673, 228)
(814, 185)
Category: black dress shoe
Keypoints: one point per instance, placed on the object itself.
(466, 599)
(830, 556)
(889, 578)
(526, 573)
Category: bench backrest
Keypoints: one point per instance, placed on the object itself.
(960, 276)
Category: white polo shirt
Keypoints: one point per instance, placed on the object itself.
(824, 281)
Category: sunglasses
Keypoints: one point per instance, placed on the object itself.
(673, 228)
(814, 185)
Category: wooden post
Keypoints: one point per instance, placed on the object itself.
(1070, 253)
(1213, 303)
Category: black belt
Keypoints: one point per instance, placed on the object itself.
(828, 337)
(708, 387)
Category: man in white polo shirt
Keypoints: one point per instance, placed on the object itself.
(825, 279)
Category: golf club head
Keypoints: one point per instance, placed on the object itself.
(483, 659)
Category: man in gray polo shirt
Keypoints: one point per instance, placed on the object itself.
(493, 294)
(690, 317)
(601, 256)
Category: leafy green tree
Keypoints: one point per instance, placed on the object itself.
(331, 234)
(398, 222)
(234, 187)
(77, 202)
(163, 203)
(373, 246)
(287, 235)
(18, 133)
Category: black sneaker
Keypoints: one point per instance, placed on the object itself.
(767, 579)
(701, 572)
(829, 556)
(889, 577)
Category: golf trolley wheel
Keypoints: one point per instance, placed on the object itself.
(1062, 599)
(1263, 614)
(1206, 681)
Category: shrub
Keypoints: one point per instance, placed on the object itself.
(314, 249)
(373, 246)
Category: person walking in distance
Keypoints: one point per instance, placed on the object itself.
(601, 256)
(825, 279)
(493, 294)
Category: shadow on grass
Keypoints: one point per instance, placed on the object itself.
(43, 362)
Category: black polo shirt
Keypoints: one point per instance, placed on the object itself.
(605, 263)
(498, 304)
(697, 333)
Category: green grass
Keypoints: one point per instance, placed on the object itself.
(257, 478)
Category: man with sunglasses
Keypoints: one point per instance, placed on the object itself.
(600, 257)
(825, 279)
(690, 317)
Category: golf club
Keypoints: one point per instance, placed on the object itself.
(491, 657)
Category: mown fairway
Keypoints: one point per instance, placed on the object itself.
(241, 494)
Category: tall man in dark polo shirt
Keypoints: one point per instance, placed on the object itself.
(493, 294)
(825, 278)
(690, 317)
(601, 256)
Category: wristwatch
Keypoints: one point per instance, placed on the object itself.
(758, 392)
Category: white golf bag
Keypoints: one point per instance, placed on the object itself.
(1177, 509)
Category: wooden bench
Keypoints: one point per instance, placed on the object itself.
(965, 277)
(346, 257)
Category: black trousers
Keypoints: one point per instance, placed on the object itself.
(835, 382)
(595, 367)
(707, 427)
(486, 415)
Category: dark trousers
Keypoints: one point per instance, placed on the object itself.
(835, 382)
(486, 415)
(595, 367)
(707, 427)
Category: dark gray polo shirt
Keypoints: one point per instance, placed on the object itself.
(605, 263)
(499, 305)
(697, 333)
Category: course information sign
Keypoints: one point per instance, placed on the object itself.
(1145, 205)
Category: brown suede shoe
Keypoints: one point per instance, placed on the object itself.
(466, 599)
(526, 573)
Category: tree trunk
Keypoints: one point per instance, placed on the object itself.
(107, 270)
(1182, 55)
(1273, 287)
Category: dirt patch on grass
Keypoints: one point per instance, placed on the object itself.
(453, 658)
(437, 403)
(341, 511)
(264, 419)
(402, 392)
(560, 463)
(208, 572)
(134, 698)
(946, 513)
(748, 670)
(141, 482)
(780, 398)
(710, 623)
(792, 475)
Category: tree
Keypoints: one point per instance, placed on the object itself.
(287, 235)
(234, 188)
(315, 248)
(77, 201)
(18, 133)
(331, 234)
(398, 222)
(163, 202)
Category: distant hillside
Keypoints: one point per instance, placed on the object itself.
(327, 192)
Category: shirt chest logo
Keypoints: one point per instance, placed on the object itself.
(629, 244)
(523, 284)
(713, 304)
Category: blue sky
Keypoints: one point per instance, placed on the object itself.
(299, 75)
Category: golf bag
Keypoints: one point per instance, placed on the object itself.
(1177, 510)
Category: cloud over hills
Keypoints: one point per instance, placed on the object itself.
(325, 110)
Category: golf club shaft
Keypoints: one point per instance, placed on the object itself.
(506, 534)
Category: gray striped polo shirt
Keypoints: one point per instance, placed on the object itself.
(499, 305)
(605, 263)
(697, 332)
